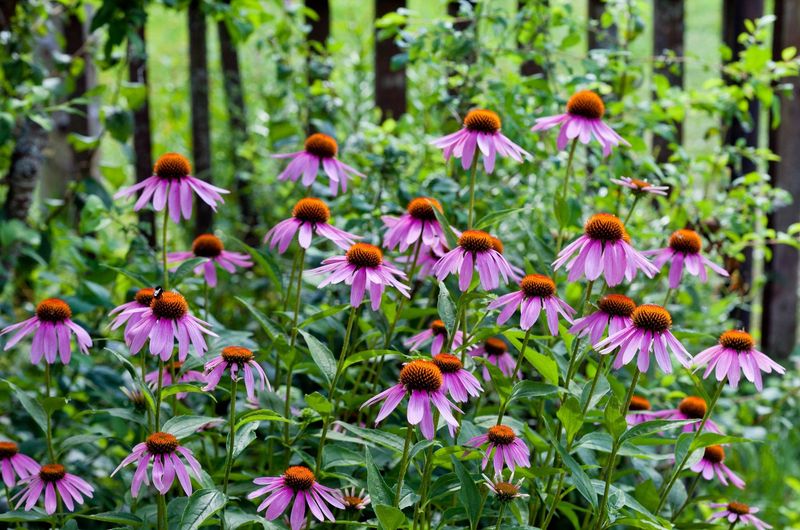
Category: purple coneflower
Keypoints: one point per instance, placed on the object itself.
(690, 408)
(363, 268)
(355, 501)
(52, 327)
(55, 483)
(475, 251)
(735, 512)
(481, 131)
(614, 312)
(163, 449)
(735, 355)
(236, 358)
(12, 463)
(172, 185)
(438, 332)
(603, 249)
(508, 449)
(299, 485)
(537, 292)
(649, 331)
(495, 351)
(418, 223)
(166, 377)
(712, 464)
(320, 150)
(684, 249)
(516, 272)
(641, 187)
(309, 216)
(165, 321)
(126, 313)
(424, 382)
(210, 246)
(456, 381)
(583, 120)
(638, 411)
(505, 491)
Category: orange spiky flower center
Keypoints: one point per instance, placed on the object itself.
(685, 241)
(651, 317)
(639, 403)
(480, 120)
(714, 454)
(52, 472)
(447, 363)
(311, 210)
(299, 478)
(172, 166)
(495, 346)
(537, 285)
(438, 327)
(364, 255)
(506, 491)
(422, 208)
(737, 340)
(475, 241)
(497, 245)
(604, 227)
(739, 508)
(161, 443)
(144, 296)
(236, 354)
(501, 435)
(640, 184)
(693, 407)
(617, 305)
(321, 145)
(8, 449)
(421, 375)
(169, 305)
(53, 310)
(207, 246)
(586, 104)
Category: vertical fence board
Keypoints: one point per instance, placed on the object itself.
(599, 37)
(318, 39)
(530, 67)
(668, 35)
(201, 119)
(779, 329)
(390, 84)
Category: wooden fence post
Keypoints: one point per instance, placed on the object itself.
(390, 84)
(201, 119)
(779, 328)
(668, 36)
(600, 37)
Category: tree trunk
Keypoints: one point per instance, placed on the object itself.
(315, 62)
(668, 37)
(779, 329)
(201, 122)
(142, 139)
(237, 127)
(390, 84)
(600, 37)
(26, 160)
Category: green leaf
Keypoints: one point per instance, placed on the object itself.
(188, 388)
(201, 506)
(497, 216)
(323, 314)
(370, 354)
(136, 376)
(184, 270)
(390, 517)
(319, 403)
(501, 383)
(260, 415)
(449, 235)
(651, 427)
(139, 281)
(543, 364)
(266, 325)
(468, 494)
(571, 417)
(264, 260)
(579, 476)
(614, 420)
(375, 436)
(244, 437)
(183, 426)
(31, 406)
(322, 356)
(24, 517)
(711, 438)
(121, 518)
(378, 490)
(532, 389)
(446, 307)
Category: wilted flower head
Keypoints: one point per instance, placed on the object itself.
(54, 481)
(712, 464)
(320, 151)
(475, 250)
(613, 311)
(509, 450)
(684, 250)
(505, 491)
(211, 247)
(309, 216)
(735, 355)
(737, 512)
(418, 223)
(353, 500)
(537, 292)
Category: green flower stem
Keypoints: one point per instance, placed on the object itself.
(573, 358)
(689, 493)
(165, 280)
(205, 300)
(426, 479)
(403, 465)
(472, 175)
(500, 516)
(520, 357)
(49, 432)
(733, 524)
(633, 205)
(157, 422)
(161, 504)
(595, 379)
(565, 189)
(292, 343)
(667, 298)
(231, 435)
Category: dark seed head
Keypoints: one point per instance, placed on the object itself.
(53, 310)
(421, 375)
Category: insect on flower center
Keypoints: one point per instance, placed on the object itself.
(447, 363)
(617, 305)
(693, 407)
(311, 210)
(422, 208)
(421, 375)
(586, 104)
(364, 255)
(639, 403)
(685, 241)
(737, 340)
(52, 472)
(537, 285)
(501, 435)
(604, 227)
(53, 310)
(160, 443)
(484, 121)
(8, 449)
(169, 305)
(237, 354)
(207, 246)
(739, 508)
(299, 478)
(144, 296)
(497, 245)
(321, 145)
(495, 346)
(438, 327)
(172, 166)
(714, 454)
(475, 241)
(506, 491)
(650, 317)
